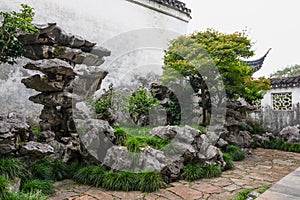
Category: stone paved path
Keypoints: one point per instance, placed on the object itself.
(264, 167)
(287, 188)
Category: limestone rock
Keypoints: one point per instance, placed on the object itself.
(165, 132)
(53, 99)
(290, 134)
(52, 67)
(36, 149)
(41, 84)
(242, 139)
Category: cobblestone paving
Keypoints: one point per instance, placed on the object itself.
(263, 167)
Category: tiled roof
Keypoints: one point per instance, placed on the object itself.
(257, 64)
(178, 5)
(285, 82)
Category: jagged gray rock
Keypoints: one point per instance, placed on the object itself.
(36, 149)
(290, 134)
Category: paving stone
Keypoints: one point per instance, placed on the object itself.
(98, 194)
(186, 193)
(167, 194)
(127, 195)
(207, 188)
(231, 188)
(222, 196)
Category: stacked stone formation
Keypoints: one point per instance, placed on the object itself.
(56, 53)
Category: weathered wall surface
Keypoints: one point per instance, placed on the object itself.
(267, 100)
(274, 121)
(100, 21)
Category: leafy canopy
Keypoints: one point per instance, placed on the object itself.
(224, 52)
(293, 70)
(12, 25)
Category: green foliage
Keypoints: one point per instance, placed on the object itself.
(263, 189)
(235, 152)
(211, 171)
(12, 24)
(193, 172)
(134, 144)
(11, 168)
(201, 52)
(91, 175)
(293, 70)
(46, 187)
(137, 131)
(121, 136)
(43, 170)
(229, 161)
(255, 127)
(281, 145)
(55, 171)
(140, 103)
(149, 181)
(121, 181)
(38, 195)
(36, 131)
(60, 170)
(4, 183)
(242, 195)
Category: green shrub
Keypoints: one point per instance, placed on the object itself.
(149, 181)
(91, 175)
(140, 103)
(242, 195)
(211, 171)
(46, 187)
(133, 144)
(11, 168)
(263, 189)
(255, 127)
(281, 145)
(43, 170)
(59, 170)
(4, 183)
(235, 152)
(72, 169)
(37, 195)
(193, 172)
(121, 136)
(229, 161)
(121, 181)
(137, 131)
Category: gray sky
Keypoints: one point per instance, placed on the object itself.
(269, 23)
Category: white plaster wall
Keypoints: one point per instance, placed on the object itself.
(123, 27)
(267, 100)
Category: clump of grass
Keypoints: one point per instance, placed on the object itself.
(3, 187)
(211, 171)
(37, 195)
(149, 181)
(43, 170)
(193, 172)
(121, 181)
(121, 136)
(11, 168)
(46, 187)
(229, 162)
(243, 195)
(133, 144)
(281, 145)
(235, 152)
(60, 170)
(263, 189)
(91, 175)
(137, 131)
(55, 171)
